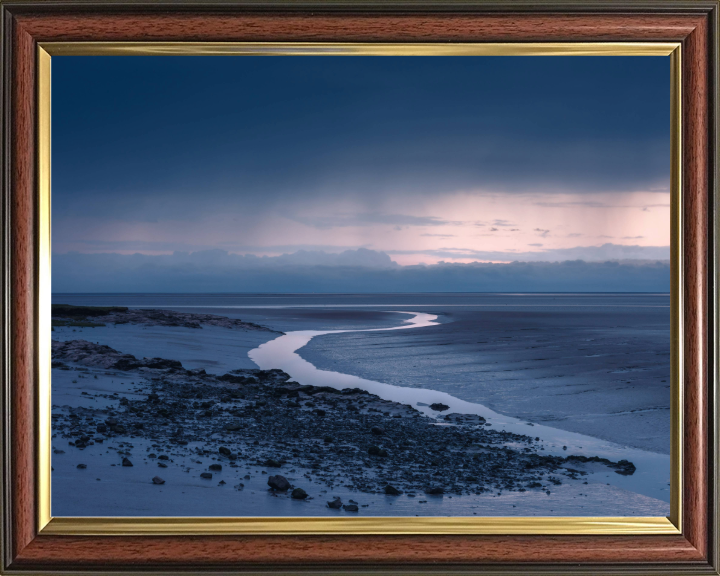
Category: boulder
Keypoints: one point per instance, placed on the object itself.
(126, 462)
(278, 483)
(158, 480)
(336, 504)
(392, 491)
(299, 494)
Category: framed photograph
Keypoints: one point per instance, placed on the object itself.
(359, 288)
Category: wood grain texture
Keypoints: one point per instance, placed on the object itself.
(696, 187)
(219, 552)
(359, 28)
(22, 268)
(76, 553)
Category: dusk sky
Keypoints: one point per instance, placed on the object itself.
(413, 160)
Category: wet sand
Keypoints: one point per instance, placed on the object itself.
(105, 487)
(595, 372)
(487, 356)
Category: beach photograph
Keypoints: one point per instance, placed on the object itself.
(301, 286)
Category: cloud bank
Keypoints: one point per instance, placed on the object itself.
(602, 253)
(352, 271)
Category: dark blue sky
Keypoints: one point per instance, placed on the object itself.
(258, 155)
(198, 125)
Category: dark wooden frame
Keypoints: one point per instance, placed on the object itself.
(24, 24)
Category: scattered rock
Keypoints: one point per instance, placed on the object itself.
(466, 458)
(82, 466)
(299, 494)
(392, 491)
(350, 507)
(625, 468)
(439, 407)
(467, 419)
(278, 483)
(158, 480)
(435, 490)
(206, 475)
(336, 504)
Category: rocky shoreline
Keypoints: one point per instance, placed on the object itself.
(261, 418)
(92, 316)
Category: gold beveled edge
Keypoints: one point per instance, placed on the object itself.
(141, 526)
(676, 289)
(369, 525)
(44, 407)
(358, 49)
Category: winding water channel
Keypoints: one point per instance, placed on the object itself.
(650, 479)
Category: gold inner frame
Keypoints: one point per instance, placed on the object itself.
(47, 524)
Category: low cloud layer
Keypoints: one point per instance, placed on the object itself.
(352, 271)
(587, 253)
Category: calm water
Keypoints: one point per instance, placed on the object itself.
(500, 301)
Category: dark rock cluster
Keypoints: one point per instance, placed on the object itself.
(333, 437)
(69, 315)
